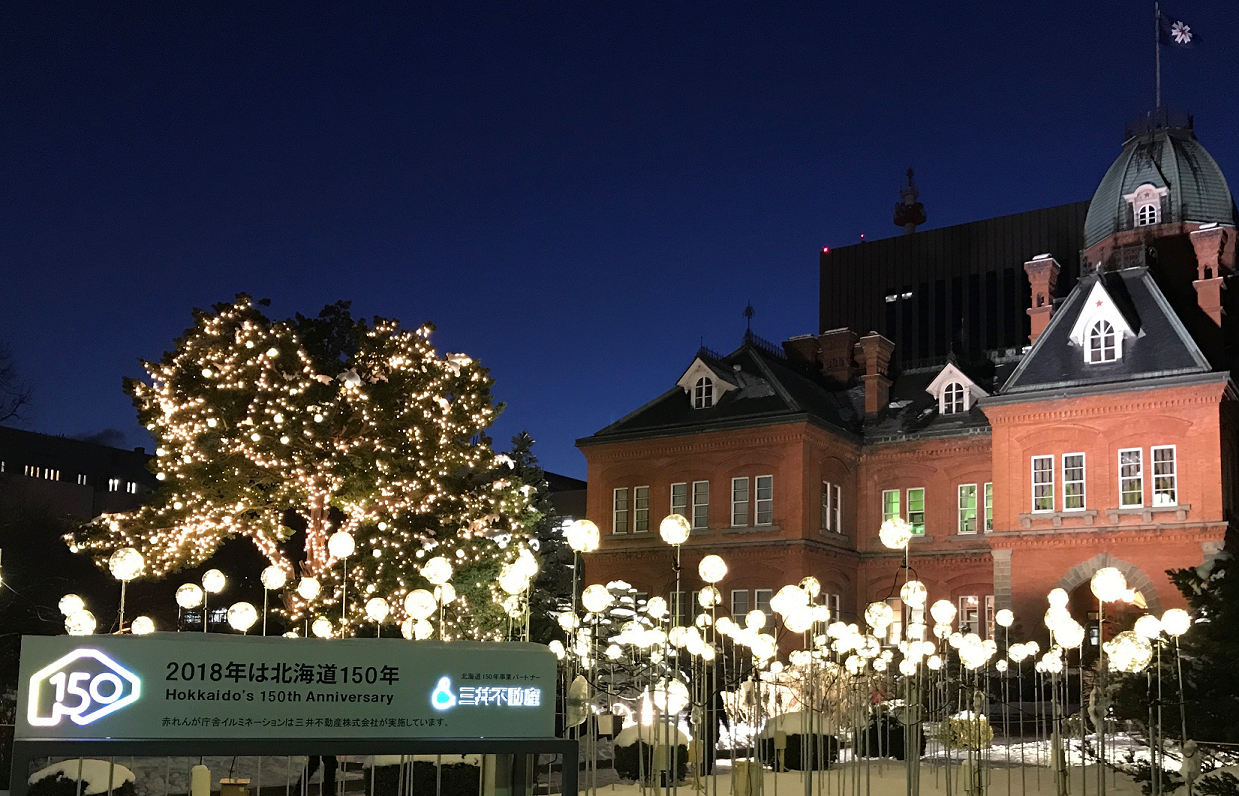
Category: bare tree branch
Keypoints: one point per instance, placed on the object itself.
(15, 394)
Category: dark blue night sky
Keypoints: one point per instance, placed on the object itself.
(576, 193)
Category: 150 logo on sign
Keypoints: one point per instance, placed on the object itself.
(84, 685)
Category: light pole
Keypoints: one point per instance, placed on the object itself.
(341, 545)
(1108, 585)
(212, 583)
(674, 530)
(273, 579)
(125, 565)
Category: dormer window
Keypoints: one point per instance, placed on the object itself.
(954, 399)
(1102, 343)
(1145, 204)
(1147, 215)
(703, 393)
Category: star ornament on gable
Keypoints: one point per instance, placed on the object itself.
(1181, 33)
(1098, 302)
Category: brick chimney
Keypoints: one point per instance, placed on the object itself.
(1042, 273)
(873, 353)
(830, 353)
(1215, 257)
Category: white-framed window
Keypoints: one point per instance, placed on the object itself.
(970, 614)
(701, 504)
(113, 484)
(1165, 476)
(916, 510)
(761, 602)
(703, 393)
(739, 604)
(764, 489)
(739, 502)
(2, 465)
(679, 499)
(967, 508)
(954, 399)
(1043, 483)
(989, 507)
(1073, 481)
(890, 504)
(989, 616)
(131, 487)
(32, 471)
(1102, 343)
(81, 479)
(641, 509)
(831, 601)
(51, 475)
(832, 507)
(1131, 478)
(1147, 215)
(619, 510)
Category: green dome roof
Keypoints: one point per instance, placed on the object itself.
(1165, 155)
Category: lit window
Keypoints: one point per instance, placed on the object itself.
(739, 604)
(832, 507)
(1147, 215)
(761, 602)
(81, 479)
(641, 509)
(679, 499)
(989, 616)
(701, 504)
(953, 399)
(131, 488)
(619, 511)
(1102, 346)
(703, 393)
(1073, 481)
(967, 508)
(32, 471)
(1043, 483)
(765, 499)
(51, 475)
(1165, 479)
(989, 507)
(831, 601)
(1131, 478)
(739, 502)
(113, 484)
(890, 504)
(969, 615)
(916, 510)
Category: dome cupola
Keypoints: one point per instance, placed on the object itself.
(1163, 176)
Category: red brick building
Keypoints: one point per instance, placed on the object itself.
(1109, 441)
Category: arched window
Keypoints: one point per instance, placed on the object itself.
(953, 398)
(703, 393)
(1102, 345)
(1147, 215)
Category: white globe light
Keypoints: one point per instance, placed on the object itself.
(142, 626)
(189, 595)
(126, 564)
(656, 607)
(712, 568)
(213, 581)
(799, 620)
(437, 570)
(242, 616)
(879, 615)
(788, 599)
(1128, 652)
(406, 629)
(321, 627)
(377, 609)
(80, 623)
(709, 597)
(423, 630)
(811, 586)
(895, 533)
(273, 578)
(1148, 627)
(308, 588)
(340, 544)
(755, 620)
(420, 604)
(1070, 634)
(596, 598)
(1176, 622)
(674, 529)
(582, 536)
(70, 604)
(445, 594)
(1001, 665)
(1004, 617)
(512, 581)
(1108, 584)
(672, 697)
(934, 663)
(943, 612)
(1058, 598)
(914, 594)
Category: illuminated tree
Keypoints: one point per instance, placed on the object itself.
(324, 424)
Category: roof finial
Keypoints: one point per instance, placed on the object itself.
(909, 212)
(749, 312)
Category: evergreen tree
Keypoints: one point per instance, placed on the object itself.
(315, 425)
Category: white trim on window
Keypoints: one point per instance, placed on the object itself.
(1074, 490)
(1165, 475)
(761, 602)
(916, 517)
(967, 505)
(679, 498)
(1148, 214)
(1102, 343)
(891, 504)
(1131, 478)
(740, 502)
(832, 507)
(989, 506)
(703, 393)
(640, 509)
(701, 505)
(954, 399)
(619, 510)
(1042, 483)
(738, 608)
(763, 500)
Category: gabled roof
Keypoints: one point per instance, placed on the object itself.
(1163, 346)
(952, 373)
(769, 389)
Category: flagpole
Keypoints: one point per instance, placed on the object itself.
(1157, 49)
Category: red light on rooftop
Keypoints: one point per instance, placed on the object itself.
(825, 250)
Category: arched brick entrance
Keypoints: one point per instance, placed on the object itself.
(1136, 579)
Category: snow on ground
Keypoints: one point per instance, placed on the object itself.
(93, 772)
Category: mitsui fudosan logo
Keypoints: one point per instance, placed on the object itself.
(84, 686)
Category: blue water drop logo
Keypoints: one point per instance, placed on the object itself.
(442, 697)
